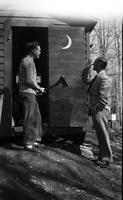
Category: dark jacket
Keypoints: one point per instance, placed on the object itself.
(99, 92)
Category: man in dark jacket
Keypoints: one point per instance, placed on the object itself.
(99, 106)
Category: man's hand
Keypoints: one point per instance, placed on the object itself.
(41, 90)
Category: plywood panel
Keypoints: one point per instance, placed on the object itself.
(67, 105)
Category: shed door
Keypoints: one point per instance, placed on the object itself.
(67, 56)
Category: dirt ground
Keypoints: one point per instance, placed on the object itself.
(59, 172)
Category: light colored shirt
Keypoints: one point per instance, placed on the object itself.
(27, 74)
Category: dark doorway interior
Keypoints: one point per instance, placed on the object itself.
(20, 36)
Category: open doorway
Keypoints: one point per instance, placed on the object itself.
(20, 36)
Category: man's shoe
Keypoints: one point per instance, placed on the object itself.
(96, 159)
(36, 144)
(31, 148)
(103, 164)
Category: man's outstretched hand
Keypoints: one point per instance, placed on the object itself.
(41, 91)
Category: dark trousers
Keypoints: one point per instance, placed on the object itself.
(100, 120)
(32, 119)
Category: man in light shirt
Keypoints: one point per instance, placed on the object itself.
(28, 88)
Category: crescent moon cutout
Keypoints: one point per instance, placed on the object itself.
(68, 44)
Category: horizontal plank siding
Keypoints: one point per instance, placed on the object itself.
(1, 26)
(1, 45)
(1, 32)
(1, 53)
(2, 66)
(1, 80)
(1, 59)
(1, 38)
(2, 72)
(2, 56)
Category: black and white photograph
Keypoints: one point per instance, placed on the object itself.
(61, 99)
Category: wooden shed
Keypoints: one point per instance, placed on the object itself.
(65, 51)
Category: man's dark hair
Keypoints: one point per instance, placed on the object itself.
(31, 46)
(103, 62)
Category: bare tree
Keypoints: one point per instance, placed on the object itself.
(105, 41)
(117, 42)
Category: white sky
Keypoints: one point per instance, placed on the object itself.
(95, 8)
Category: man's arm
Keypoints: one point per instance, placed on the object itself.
(88, 74)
